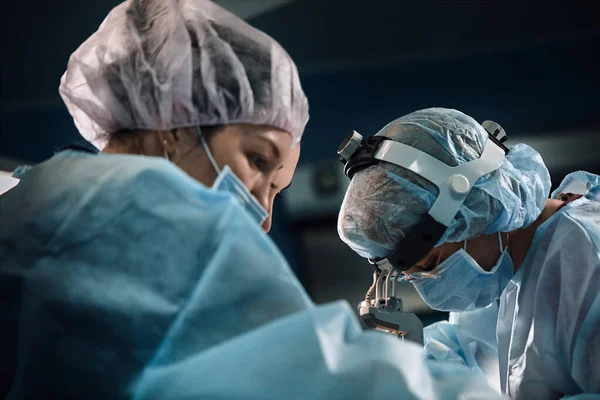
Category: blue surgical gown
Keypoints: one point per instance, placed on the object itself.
(123, 278)
(541, 340)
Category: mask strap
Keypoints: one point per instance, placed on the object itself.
(432, 274)
(500, 242)
(207, 150)
(465, 246)
(437, 263)
(166, 155)
(507, 241)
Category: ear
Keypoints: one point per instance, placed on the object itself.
(186, 138)
(169, 145)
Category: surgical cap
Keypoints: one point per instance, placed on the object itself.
(579, 182)
(165, 64)
(385, 201)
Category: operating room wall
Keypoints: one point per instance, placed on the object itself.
(528, 91)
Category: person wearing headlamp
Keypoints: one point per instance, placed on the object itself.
(469, 223)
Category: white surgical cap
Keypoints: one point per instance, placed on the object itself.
(165, 64)
(385, 201)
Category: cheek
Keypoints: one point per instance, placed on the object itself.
(198, 166)
(485, 250)
(248, 173)
(447, 249)
(424, 263)
(239, 164)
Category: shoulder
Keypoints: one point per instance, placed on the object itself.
(130, 197)
(565, 250)
(565, 254)
(576, 227)
(151, 181)
(157, 187)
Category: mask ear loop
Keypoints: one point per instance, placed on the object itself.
(428, 274)
(207, 150)
(507, 241)
(166, 155)
(432, 274)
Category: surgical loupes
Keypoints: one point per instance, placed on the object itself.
(385, 312)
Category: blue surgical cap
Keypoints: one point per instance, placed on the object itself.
(578, 181)
(385, 201)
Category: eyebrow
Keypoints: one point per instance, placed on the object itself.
(273, 146)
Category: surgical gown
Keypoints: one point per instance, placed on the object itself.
(541, 340)
(123, 278)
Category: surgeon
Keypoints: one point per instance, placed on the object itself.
(519, 272)
(143, 271)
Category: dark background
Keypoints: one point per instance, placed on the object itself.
(532, 67)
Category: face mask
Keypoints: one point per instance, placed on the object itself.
(460, 284)
(227, 181)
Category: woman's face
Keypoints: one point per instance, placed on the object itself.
(259, 155)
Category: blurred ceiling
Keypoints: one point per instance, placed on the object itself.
(247, 9)
(337, 34)
(321, 35)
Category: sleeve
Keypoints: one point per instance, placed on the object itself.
(557, 349)
(469, 339)
(173, 271)
(321, 352)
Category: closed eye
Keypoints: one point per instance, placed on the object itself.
(259, 162)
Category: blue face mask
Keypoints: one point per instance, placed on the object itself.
(227, 181)
(460, 284)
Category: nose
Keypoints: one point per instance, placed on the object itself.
(262, 194)
(266, 226)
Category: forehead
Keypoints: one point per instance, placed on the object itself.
(277, 137)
